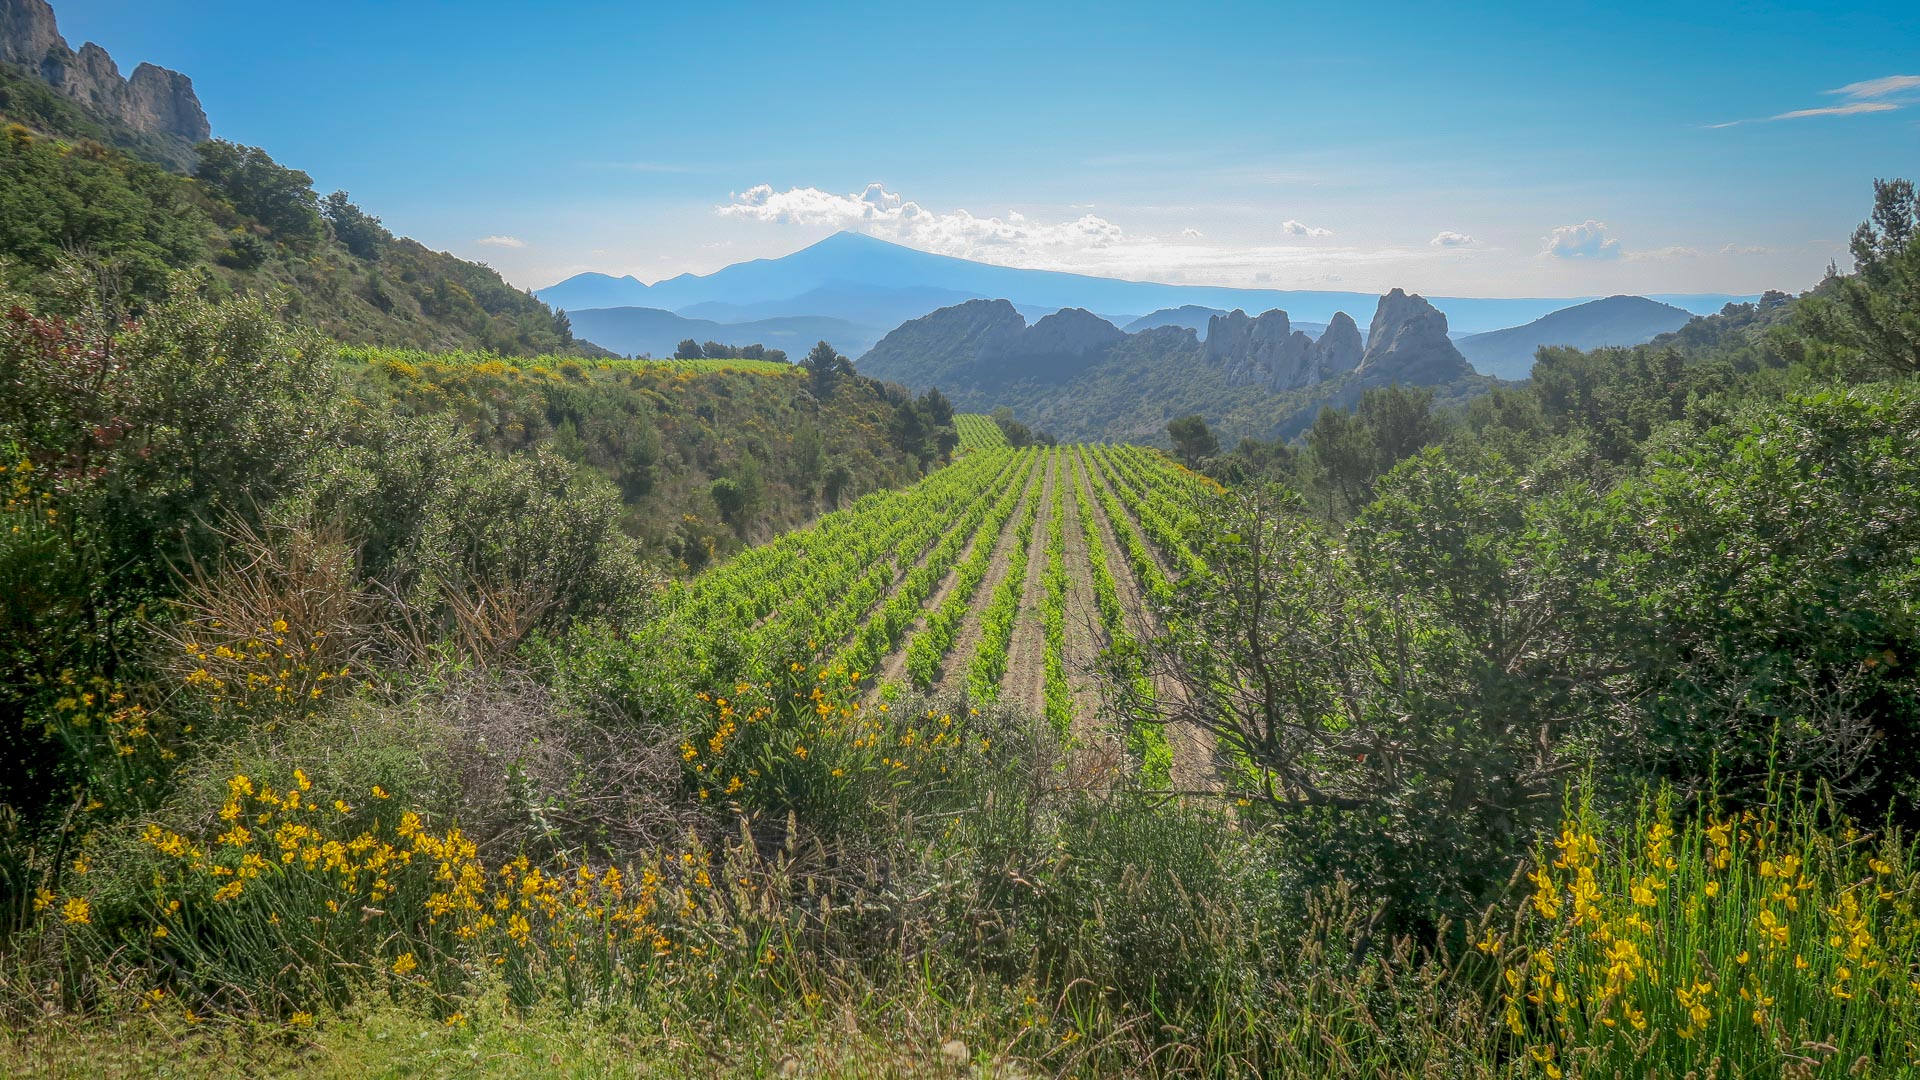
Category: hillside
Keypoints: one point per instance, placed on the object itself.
(92, 169)
(633, 331)
(853, 276)
(1614, 321)
(708, 456)
(1078, 377)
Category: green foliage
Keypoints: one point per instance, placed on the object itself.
(1193, 442)
(255, 226)
(279, 198)
(1874, 314)
(55, 200)
(825, 367)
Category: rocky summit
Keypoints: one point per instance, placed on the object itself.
(1407, 343)
(153, 101)
(1267, 351)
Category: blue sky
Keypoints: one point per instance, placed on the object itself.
(1492, 151)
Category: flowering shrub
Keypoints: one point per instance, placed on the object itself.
(1755, 944)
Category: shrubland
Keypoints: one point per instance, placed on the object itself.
(1567, 733)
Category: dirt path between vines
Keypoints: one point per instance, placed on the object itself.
(1086, 635)
(1193, 749)
(894, 668)
(1025, 684)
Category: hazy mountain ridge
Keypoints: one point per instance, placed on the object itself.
(1614, 320)
(637, 331)
(854, 265)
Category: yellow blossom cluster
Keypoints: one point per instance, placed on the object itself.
(312, 877)
(1737, 939)
(277, 669)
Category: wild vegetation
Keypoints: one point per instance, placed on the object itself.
(362, 729)
(73, 185)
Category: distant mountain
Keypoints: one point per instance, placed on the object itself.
(637, 330)
(842, 274)
(1080, 377)
(1616, 320)
(872, 307)
(1192, 316)
(1195, 318)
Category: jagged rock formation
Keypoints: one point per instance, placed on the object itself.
(1267, 351)
(1340, 347)
(154, 101)
(1408, 343)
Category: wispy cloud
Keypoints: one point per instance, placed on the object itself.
(1587, 240)
(886, 213)
(1447, 238)
(1875, 88)
(1849, 109)
(501, 241)
(1297, 228)
(1190, 233)
(1885, 94)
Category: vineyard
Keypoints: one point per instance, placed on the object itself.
(1004, 575)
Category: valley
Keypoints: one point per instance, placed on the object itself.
(1230, 569)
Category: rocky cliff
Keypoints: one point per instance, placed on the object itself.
(155, 101)
(1267, 351)
(1408, 343)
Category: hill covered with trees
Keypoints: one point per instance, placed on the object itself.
(141, 205)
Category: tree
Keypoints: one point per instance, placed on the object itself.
(1193, 441)
(279, 198)
(689, 349)
(1406, 702)
(1875, 312)
(359, 231)
(826, 367)
(713, 350)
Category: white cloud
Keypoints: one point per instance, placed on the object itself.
(1850, 109)
(1866, 96)
(884, 213)
(1085, 244)
(501, 241)
(1882, 87)
(1587, 240)
(1447, 238)
(1744, 249)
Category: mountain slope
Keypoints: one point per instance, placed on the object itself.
(634, 331)
(853, 263)
(1079, 377)
(1616, 320)
(86, 175)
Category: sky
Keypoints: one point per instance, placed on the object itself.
(1494, 150)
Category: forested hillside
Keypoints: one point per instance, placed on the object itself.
(708, 455)
(390, 711)
(75, 185)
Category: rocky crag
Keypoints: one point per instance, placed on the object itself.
(1407, 342)
(153, 101)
